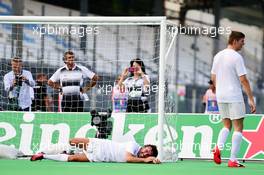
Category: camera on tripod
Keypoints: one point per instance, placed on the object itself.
(103, 125)
(19, 80)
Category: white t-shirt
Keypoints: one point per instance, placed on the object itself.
(135, 87)
(71, 80)
(228, 66)
(103, 150)
(24, 98)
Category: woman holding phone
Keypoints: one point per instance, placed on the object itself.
(137, 84)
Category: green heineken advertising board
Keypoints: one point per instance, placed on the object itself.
(193, 135)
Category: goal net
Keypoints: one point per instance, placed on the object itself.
(106, 46)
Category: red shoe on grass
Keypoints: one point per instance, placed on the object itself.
(36, 157)
(235, 164)
(217, 155)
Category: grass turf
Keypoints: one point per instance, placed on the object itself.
(186, 167)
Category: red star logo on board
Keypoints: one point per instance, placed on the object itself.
(255, 140)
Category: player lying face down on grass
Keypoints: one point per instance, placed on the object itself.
(102, 150)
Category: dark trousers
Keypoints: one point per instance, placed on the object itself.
(135, 105)
(12, 104)
(72, 103)
(26, 109)
(146, 106)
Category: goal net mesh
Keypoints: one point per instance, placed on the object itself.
(105, 48)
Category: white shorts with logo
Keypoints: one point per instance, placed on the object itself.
(235, 110)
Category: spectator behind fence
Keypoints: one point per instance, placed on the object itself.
(18, 84)
(119, 97)
(69, 79)
(42, 101)
(209, 98)
(137, 85)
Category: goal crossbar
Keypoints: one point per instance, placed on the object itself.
(80, 20)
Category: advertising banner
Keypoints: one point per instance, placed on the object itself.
(193, 135)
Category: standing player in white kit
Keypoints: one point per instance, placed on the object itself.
(228, 75)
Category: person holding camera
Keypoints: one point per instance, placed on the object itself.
(69, 79)
(137, 85)
(103, 125)
(18, 84)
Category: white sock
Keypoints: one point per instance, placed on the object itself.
(236, 141)
(57, 157)
(223, 134)
(53, 149)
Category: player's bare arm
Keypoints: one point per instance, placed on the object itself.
(133, 159)
(247, 89)
(91, 84)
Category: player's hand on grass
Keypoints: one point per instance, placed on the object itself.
(156, 161)
(152, 160)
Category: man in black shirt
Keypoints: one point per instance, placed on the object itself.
(42, 100)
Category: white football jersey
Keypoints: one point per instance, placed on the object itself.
(103, 150)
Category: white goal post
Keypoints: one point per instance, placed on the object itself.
(163, 48)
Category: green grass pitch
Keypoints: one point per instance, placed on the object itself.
(185, 167)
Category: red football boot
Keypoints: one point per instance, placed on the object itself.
(36, 157)
(235, 164)
(217, 155)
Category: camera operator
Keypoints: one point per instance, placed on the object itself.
(103, 125)
(18, 83)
